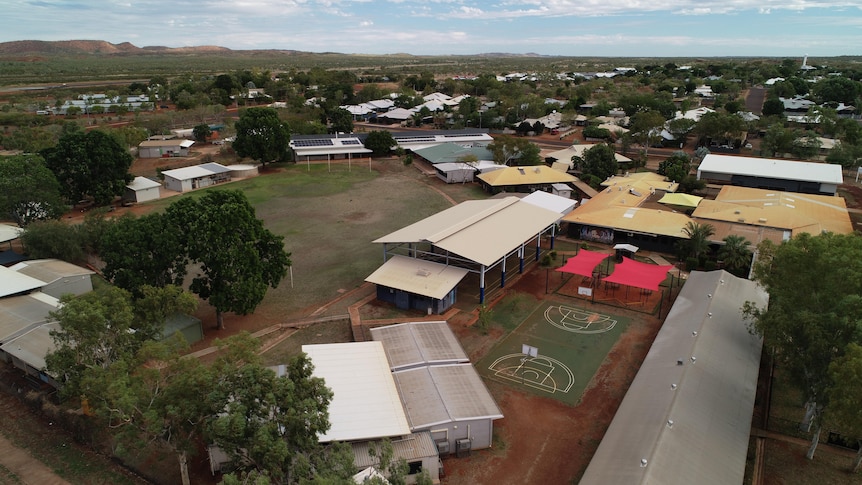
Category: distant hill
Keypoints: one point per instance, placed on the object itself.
(42, 47)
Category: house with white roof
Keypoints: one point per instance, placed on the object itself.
(196, 177)
(142, 189)
(770, 173)
(174, 147)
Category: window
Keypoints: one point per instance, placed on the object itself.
(415, 467)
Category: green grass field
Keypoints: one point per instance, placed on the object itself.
(572, 342)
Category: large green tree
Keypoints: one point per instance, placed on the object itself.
(698, 235)
(90, 164)
(237, 257)
(646, 128)
(599, 162)
(510, 150)
(380, 142)
(261, 135)
(736, 254)
(269, 423)
(845, 396)
(29, 191)
(147, 250)
(815, 310)
(340, 121)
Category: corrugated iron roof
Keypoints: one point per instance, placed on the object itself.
(416, 343)
(529, 175)
(417, 276)
(772, 168)
(412, 447)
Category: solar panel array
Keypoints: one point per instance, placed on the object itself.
(316, 142)
(350, 142)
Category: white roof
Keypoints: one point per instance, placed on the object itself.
(772, 168)
(545, 200)
(12, 282)
(9, 233)
(697, 432)
(483, 231)
(197, 171)
(142, 183)
(365, 403)
(418, 276)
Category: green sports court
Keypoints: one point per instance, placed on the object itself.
(568, 342)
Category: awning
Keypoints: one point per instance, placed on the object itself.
(583, 263)
(684, 201)
(627, 247)
(639, 275)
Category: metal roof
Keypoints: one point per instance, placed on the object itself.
(197, 171)
(365, 403)
(565, 155)
(142, 183)
(529, 175)
(545, 200)
(412, 447)
(418, 276)
(32, 347)
(419, 343)
(776, 209)
(50, 270)
(688, 410)
(440, 394)
(452, 152)
(167, 143)
(12, 282)
(826, 173)
(9, 233)
(483, 231)
(19, 314)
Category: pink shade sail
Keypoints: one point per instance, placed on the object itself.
(583, 263)
(639, 275)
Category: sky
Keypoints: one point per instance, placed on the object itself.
(605, 28)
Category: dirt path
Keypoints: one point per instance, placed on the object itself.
(26, 468)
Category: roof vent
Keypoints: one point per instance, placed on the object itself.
(521, 170)
(741, 219)
(762, 219)
(537, 170)
(670, 423)
(679, 361)
(737, 212)
(694, 333)
(673, 387)
(693, 359)
(423, 272)
(643, 462)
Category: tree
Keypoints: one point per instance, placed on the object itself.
(773, 107)
(148, 250)
(53, 239)
(95, 330)
(676, 167)
(268, 422)
(105, 326)
(806, 146)
(261, 135)
(238, 258)
(698, 238)
(340, 121)
(380, 142)
(777, 140)
(814, 285)
(600, 162)
(720, 127)
(646, 128)
(201, 132)
(145, 398)
(29, 191)
(90, 164)
(736, 254)
(513, 150)
(845, 394)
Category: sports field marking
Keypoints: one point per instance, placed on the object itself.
(577, 320)
(537, 372)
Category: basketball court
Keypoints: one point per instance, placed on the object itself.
(555, 351)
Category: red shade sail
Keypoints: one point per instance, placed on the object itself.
(583, 263)
(637, 274)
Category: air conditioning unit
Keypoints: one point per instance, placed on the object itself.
(462, 447)
(442, 447)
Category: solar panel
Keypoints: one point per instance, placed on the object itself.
(314, 142)
(350, 142)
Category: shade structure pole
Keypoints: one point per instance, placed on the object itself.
(521, 258)
(538, 245)
(482, 285)
(553, 234)
(503, 274)
(348, 161)
(384, 252)
(329, 162)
